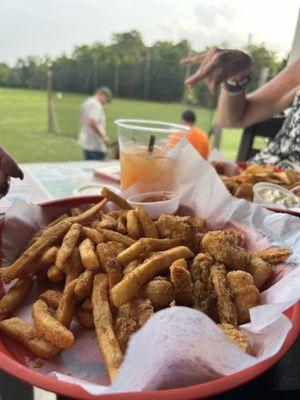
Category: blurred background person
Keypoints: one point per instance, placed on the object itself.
(92, 136)
(197, 137)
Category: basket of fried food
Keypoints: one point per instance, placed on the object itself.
(118, 268)
(241, 185)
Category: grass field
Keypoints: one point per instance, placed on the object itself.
(23, 123)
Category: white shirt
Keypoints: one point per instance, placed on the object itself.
(88, 138)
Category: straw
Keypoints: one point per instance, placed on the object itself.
(151, 143)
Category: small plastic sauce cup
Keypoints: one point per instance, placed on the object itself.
(259, 198)
(156, 203)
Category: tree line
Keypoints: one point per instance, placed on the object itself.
(129, 67)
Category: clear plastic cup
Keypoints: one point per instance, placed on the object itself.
(146, 155)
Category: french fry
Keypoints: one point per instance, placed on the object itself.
(181, 280)
(93, 235)
(116, 237)
(147, 224)
(133, 225)
(88, 255)
(119, 201)
(85, 318)
(49, 327)
(54, 274)
(68, 244)
(66, 308)
(87, 304)
(109, 264)
(84, 285)
(50, 237)
(73, 266)
(274, 255)
(132, 282)
(52, 298)
(88, 214)
(132, 265)
(121, 224)
(15, 295)
(41, 231)
(106, 338)
(116, 247)
(180, 263)
(22, 332)
(107, 222)
(146, 245)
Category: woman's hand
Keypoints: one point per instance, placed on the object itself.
(217, 65)
(8, 168)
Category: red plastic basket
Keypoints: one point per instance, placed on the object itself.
(9, 364)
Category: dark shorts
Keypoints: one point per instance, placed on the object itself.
(94, 155)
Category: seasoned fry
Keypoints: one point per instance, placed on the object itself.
(41, 231)
(88, 214)
(50, 237)
(237, 336)
(93, 235)
(180, 263)
(181, 280)
(122, 223)
(73, 266)
(118, 200)
(132, 282)
(66, 308)
(87, 304)
(160, 292)
(52, 298)
(88, 255)
(260, 270)
(15, 295)
(245, 294)
(116, 247)
(226, 308)
(54, 274)
(116, 237)
(274, 255)
(107, 222)
(85, 318)
(75, 211)
(146, 245)
(49, 327)
(68, 244)
(106, 339)
(133, 225)
(132, 265)
(109, 264)
(22, 332)
(146, 222)
(84, 285)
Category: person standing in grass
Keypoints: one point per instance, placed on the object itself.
(92, 136)
(195, 136)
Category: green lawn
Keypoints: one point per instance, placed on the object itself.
(23, 123)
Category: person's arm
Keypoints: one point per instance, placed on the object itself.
(8, 168)
(98, 129)
(273, 97)
(217, 66)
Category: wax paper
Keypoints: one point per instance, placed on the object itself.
(180, 346)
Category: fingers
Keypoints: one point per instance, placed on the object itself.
(202, 71)
(9, 166)
(193, 60)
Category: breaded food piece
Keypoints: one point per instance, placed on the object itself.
(175, 227)
(182, 283)
(230, 184)
(274, 255)
(204, 296)
(148, 227)
(237, 336)
(109, 264)
(235, 237)
(15, 295)
(222, 248)
(49, 327)
(52, 298)
(24, 333)
(130, 317)
(218, 166)
(226, 307)
(160, 292)
(199, 224)
(245, 191)
(260, 270)
(245, 294)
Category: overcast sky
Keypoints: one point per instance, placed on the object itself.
(50, 27)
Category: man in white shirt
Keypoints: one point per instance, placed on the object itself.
(92, 136)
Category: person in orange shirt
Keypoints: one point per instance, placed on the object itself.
(196, 136)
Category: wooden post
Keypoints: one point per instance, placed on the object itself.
(147, 77)
(52, 122)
